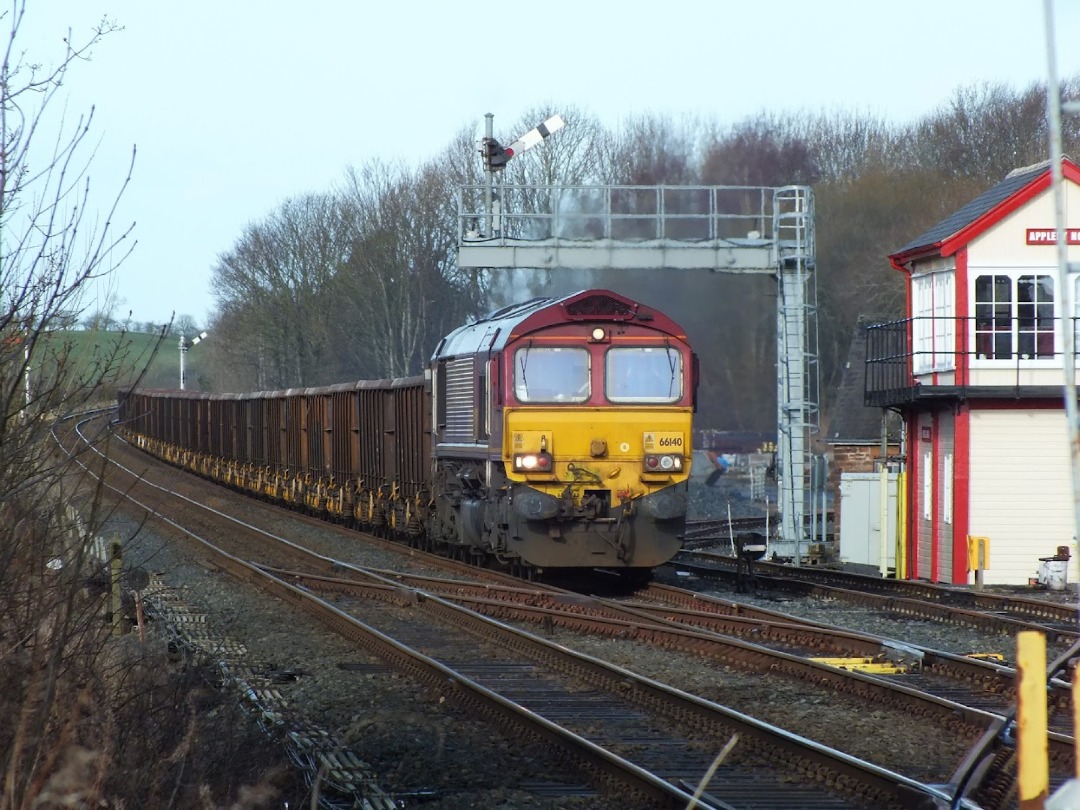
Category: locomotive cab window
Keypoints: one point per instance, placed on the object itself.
(644, 374)
(551, 374)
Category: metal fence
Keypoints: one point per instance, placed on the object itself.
(617, 213)
(898, 352)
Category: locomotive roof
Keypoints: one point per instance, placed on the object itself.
(493, 331)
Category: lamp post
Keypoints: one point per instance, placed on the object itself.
(183, 352)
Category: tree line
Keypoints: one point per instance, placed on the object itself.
(360, 281)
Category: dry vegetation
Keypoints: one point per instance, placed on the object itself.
(89, 719)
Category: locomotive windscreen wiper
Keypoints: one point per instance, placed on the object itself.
(671, 368)
(524, 355)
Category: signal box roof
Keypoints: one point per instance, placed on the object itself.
(989, 208)
(492, 332)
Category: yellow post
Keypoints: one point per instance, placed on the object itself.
(1076, 712)
(1033, 769)
(901, 525)
(978, 557)
(116, 564)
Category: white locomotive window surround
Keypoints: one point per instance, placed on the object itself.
(643, 374)
(551, 374)
(1014, 316)
(934, 322)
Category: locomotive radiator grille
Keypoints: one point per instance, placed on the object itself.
(458, 400)
(599, 306)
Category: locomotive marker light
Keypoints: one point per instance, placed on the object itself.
(667, 463)
(183, 351)
(529, 462)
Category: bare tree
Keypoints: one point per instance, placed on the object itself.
(652, 150)
(50, 251)
(75, 699)
(572, 156)
(761, 151)
(275, 288)
(360, 283)
(846, 145)
(400, 291)
(460, 165)
(185, 325)
(986, 130)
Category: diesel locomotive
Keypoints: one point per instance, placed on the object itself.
(552, 434)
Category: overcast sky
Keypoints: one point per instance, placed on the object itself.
(237, 106)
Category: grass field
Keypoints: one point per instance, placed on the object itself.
(119, 359)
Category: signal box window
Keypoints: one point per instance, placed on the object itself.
(993, 317)
(644, 374)
(1035, 316)
(551, 374)
(1014, 316)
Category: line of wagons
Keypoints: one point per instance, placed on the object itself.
(359, 450)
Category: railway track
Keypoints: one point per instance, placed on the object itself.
(1005, 614)
(959, 694)
(697, 716)
(639, 614)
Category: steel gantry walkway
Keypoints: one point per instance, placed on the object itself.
(725, 229)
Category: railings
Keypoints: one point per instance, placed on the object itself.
(926, 357)
(620, 213)
(719, 228)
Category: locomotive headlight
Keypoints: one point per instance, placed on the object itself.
(598, 333)
(532, 462)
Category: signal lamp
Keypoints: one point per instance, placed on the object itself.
(599, 334)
